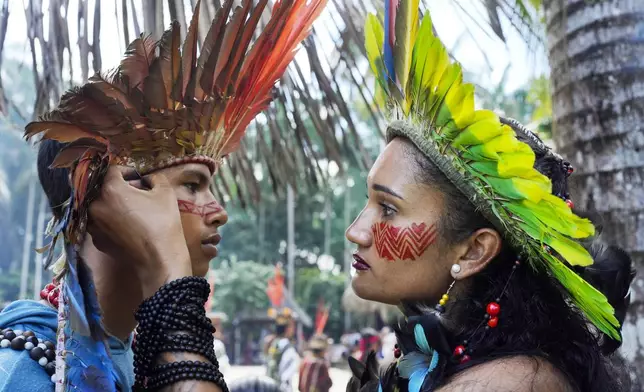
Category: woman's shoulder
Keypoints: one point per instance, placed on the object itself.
(516, 374)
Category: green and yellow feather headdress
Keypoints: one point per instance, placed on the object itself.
(429, 104)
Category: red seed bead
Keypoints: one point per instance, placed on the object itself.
(44, 294)
(493, 322)
(459, 350)
(54, 302)
(570, 204)
(52, 296)
(493, 309)
(465, 358)
(50, 287)
(397, 353)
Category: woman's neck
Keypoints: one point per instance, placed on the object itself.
(118, 289)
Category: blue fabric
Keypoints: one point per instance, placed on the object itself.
(18, 372)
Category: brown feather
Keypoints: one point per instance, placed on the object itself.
(230, 42)
(211, 44)
(158, 84)
(188, 54)
(249, 29)
(135, 65)
(62, 132)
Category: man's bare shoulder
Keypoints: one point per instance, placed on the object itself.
(512, 374)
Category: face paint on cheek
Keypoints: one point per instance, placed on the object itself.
(188, 207)
(402, 243)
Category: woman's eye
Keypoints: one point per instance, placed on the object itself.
(386, 210)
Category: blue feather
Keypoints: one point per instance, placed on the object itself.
(417, 365)
(87, 358)
(89, 366)
(411, 362)
(388, 49)
(421, 339)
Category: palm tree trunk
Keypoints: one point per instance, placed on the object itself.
(26, 244)
(597, 74)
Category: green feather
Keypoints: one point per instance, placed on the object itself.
(406, 29)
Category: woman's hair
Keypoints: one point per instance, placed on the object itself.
(537, 317)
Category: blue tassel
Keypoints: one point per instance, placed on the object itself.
(88, 363)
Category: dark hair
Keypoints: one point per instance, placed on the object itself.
(254, 384)
(54, 182)
(280, 329)
(537, 318)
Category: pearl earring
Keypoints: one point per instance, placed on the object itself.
(456, 268)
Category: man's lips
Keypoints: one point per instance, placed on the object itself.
(213, 239)
(359, 263)
(209, 245)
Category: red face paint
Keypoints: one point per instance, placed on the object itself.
(402, 243)
(189, 207)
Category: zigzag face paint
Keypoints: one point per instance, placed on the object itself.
(402, 243)
(189, 207)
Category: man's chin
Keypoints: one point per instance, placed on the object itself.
(201, 268)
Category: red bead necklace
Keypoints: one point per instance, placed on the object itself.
(50, 293)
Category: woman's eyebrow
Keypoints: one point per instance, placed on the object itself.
(386, 189)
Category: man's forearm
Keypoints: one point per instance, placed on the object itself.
(188, 385)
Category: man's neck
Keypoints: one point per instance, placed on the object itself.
(118, 289)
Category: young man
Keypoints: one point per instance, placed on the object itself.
(120, 288)
(141, 144)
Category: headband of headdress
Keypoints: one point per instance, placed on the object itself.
(163, 105)
(430, 105)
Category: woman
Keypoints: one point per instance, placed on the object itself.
(469, 228)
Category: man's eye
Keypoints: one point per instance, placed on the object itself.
(192, 186)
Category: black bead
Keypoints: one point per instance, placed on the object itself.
(28, 334)
(36, 353)
(50, 345)
(9, 335)
(33, 340)
(18, 344)
(50, 354)
(50, 368)
(440, 308)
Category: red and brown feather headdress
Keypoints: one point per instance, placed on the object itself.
(165, 105)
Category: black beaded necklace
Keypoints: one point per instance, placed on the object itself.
(41, 351)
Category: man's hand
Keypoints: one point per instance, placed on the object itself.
(142, 226)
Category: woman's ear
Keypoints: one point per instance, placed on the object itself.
(481, 248)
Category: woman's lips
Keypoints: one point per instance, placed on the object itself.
(359, 263)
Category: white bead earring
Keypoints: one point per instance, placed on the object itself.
(456, 268)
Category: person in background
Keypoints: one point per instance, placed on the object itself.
(283, 358)
(369, 341)
(218, 319)
(314, 371)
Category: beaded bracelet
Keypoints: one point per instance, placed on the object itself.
(176, 306)
(186, 370)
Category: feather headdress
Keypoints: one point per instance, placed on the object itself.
(430, 105)
(279, 311)
(165, 104)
